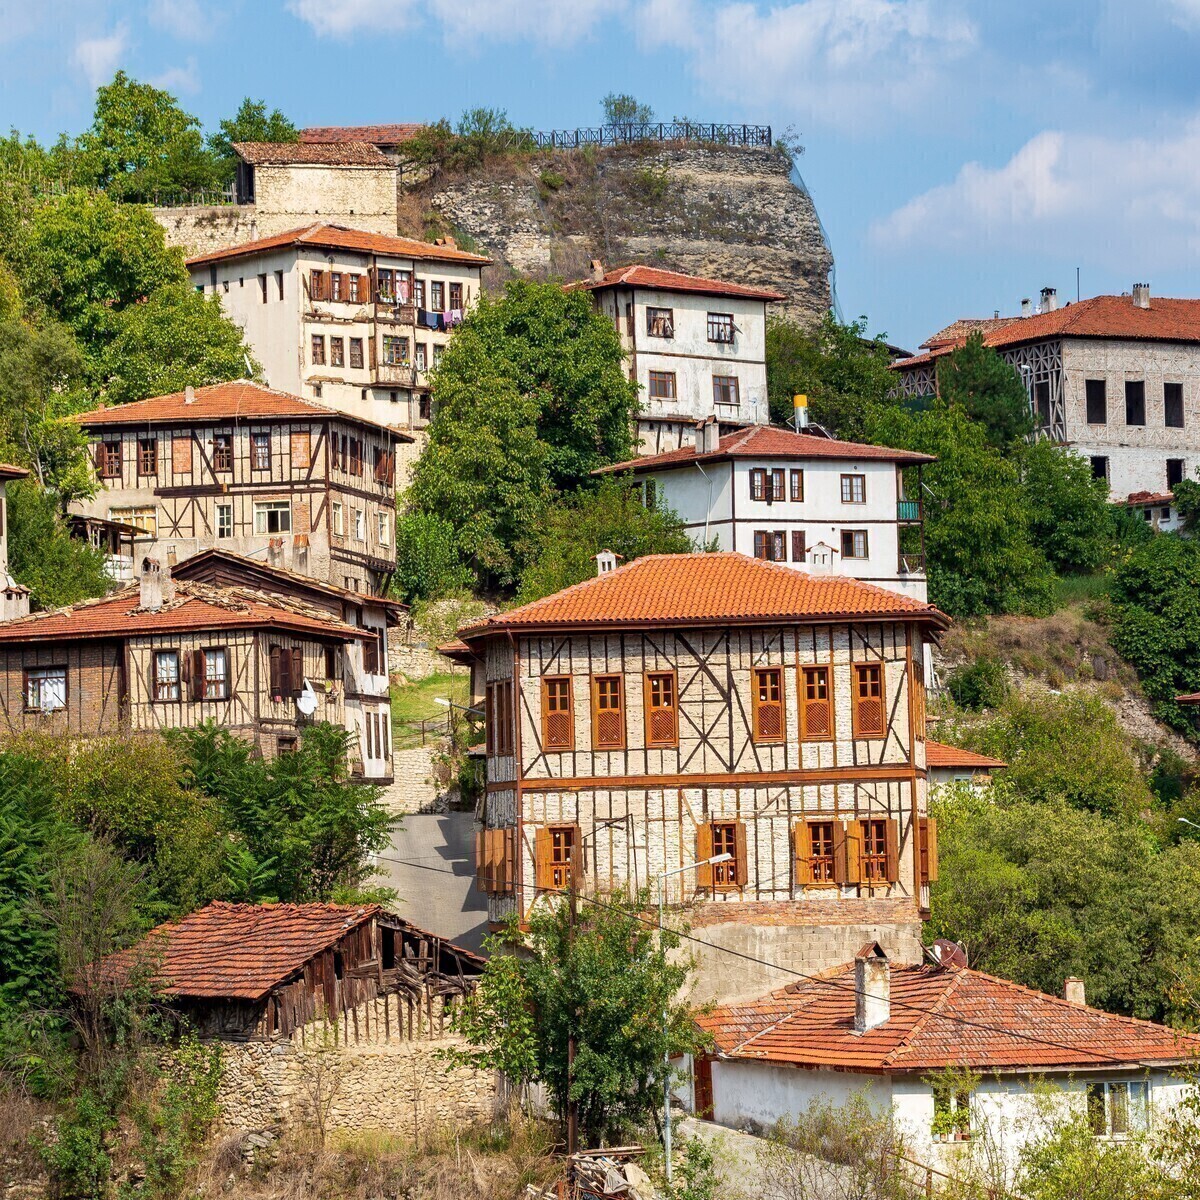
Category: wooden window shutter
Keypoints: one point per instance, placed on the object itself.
(869, 680)
(369, 295)
(508, 841)
(802, 849)
(767, 705)
(847, 850)
(893, 850)
(558, 715)
(481, 845)
(741, 869)
(364, 289)
(185, 675)
(704, 849)
(816, 704)
(543, 863)
(275, 659)
(927, 831)
(198, 674)
(493, 860)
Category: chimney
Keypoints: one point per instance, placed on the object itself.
(708, 436)
(1049, 299)
(1074, 991)
(189, 394)
(872, 988)
(606, 562)
(597, 269)
(451, 243)
(1026, 307)
(995, 314)
(151, 585)
(1141, 295)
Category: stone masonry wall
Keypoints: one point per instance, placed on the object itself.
(200, 229)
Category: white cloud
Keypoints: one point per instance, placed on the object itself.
(187, 20)
(185, 79)
(845, 63)
(1127, 203)
(549, 22)
(99, 57)
(341, 18)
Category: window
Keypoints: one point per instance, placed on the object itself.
(770, 544)
(272, 516)
(356, 352)
(437, 296)
(854, 489)
(339, 520)
(725, 390)
(318, 350)
(404, 286)
(816, 860)
(224, 520)
(1099, 466)
(335, 286)
(1174, 472)
(260, 451)
(799, 549)
(108, 460)
(286, 743)
(45, 689)
(353, 288)
(608, 713)
(558, 716)
(775, 492)
(1096, 401)
(360, 525)
(951, 1113)
(1173, 405)
(222, 459)
(868, 700)
(1041, 402)
(438, 351)
(758, 484)
(395, 350)
(660, 322)
(720, 327)
(662, 385)
(874, 852)
(854, 543)
(498, 713)
(147, 456)
(285, 672)
(1117, 1109)
(816, 705)
(384, 531)
(725, 841)
(215, 674)
(797, 492)
(425, 407)
(316, 389)
(262, 287)
(144, 517)
(337, 352)
(278, 285)
(662, 714)
(383, 284)
(767, 704)
(650, 494)
(181, 454)
(419, 293)
(422, 356)
(767, 485)
(555, 850)
(1135, 402)
(456, 297)
(166, 675)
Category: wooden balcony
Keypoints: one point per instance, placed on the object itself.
(908, 512)
(398, 374)
(387, 313)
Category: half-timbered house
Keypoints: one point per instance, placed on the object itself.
(254, 471)
(162, 655)
(364, 665)
(686, 706)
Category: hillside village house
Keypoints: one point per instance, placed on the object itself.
(389, 140)
(252, 470)
(347, 182)
(950, 765)
(688, 705)
(351, 319)
(14, 597)
(887, 1031)
(695, 347)
(364, 679)
(161, 655)
(814, 503)
(1115, 378)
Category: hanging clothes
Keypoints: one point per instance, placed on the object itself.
(427, 318)
(454, 317)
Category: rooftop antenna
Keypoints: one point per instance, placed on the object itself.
(1076, 285)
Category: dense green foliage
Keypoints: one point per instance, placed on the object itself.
(608, 982)
(977, 380)
(982, 683)
(561, 547)
(427, 559)
(479, 134)
(251, 123)
(1069, 516)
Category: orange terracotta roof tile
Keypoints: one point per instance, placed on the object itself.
(636, 275)
(768, 441)
(238, 400)
(377, 135)
(1136, 498)
(958, 330)
(707, 589)
(237, 951)
(9, 471)
(194, 606)
(337, 237)
(938, 754)
(335, 154)
(941, 1016)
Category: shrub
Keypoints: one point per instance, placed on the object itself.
(979, 684)
(427, 562)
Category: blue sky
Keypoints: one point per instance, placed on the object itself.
(961, 155)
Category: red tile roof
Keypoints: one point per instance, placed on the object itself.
(938, 754)
(707, 589)
(636, 275)
(1190, 698)
(377, 135)
(957, 331)
(767, 441)
(194, 607)
(333, 154)
(338, 237)
(237, 951)
(8, 471)
(941, 1016)
(240, 399)
(1136, 498)
(1166, 320)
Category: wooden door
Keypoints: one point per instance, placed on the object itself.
(702, 1086)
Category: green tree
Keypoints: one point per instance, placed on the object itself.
(1067, 1161)
(988, 389)
(607, 982)
(57, 568)
(623, 109)
(142, 144)
(427, 561)
(251, 123)
(178, 337)
(560, 549)
(1069, 515)
(843, 373)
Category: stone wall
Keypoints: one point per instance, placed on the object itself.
(200, 229)
(362, 1073)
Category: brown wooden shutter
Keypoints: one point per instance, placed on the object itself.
(185, 675)
(927, 829)
(893, 850)
(275, 660)
(481, 877)
(508, 860)
(543, 849)
(198, 674)
(802, 848)
(364, 289)
(847, 850)
(799, 553)
(742, 876)
(704, 849)
(767, 714)
(371, 292)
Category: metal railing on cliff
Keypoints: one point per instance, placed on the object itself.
(715, 133)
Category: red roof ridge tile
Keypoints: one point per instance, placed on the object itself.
(925, 1017)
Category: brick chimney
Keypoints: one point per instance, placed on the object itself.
(597, 270)
(1141, 295)
(708, 436)
(872, 988)
(1074, 991)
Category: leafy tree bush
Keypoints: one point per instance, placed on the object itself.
(427, 560)
(1069, 514)
(979, 684)
(560, 549)
(480, 134)
(251, 123)
(976, 379)
(623, 109)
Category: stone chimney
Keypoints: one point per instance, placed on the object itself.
(597, 270)
(1049, 299)
(151, 585)
(1141, 295)
(1026, 307)
(1074, 991)
(189, 394)
(606, 562)
(872, 988)
(708, 436)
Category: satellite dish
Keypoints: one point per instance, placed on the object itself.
(306, 702)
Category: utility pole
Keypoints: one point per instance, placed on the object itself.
(572, 1103)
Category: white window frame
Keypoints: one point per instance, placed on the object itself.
(224, 520)
(213, 676)
(360, 525)
(1137, 1113)
(143, 516)
(262, 513)
(338, 518)
(44, 684)
(384, 532)
(168, 678)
